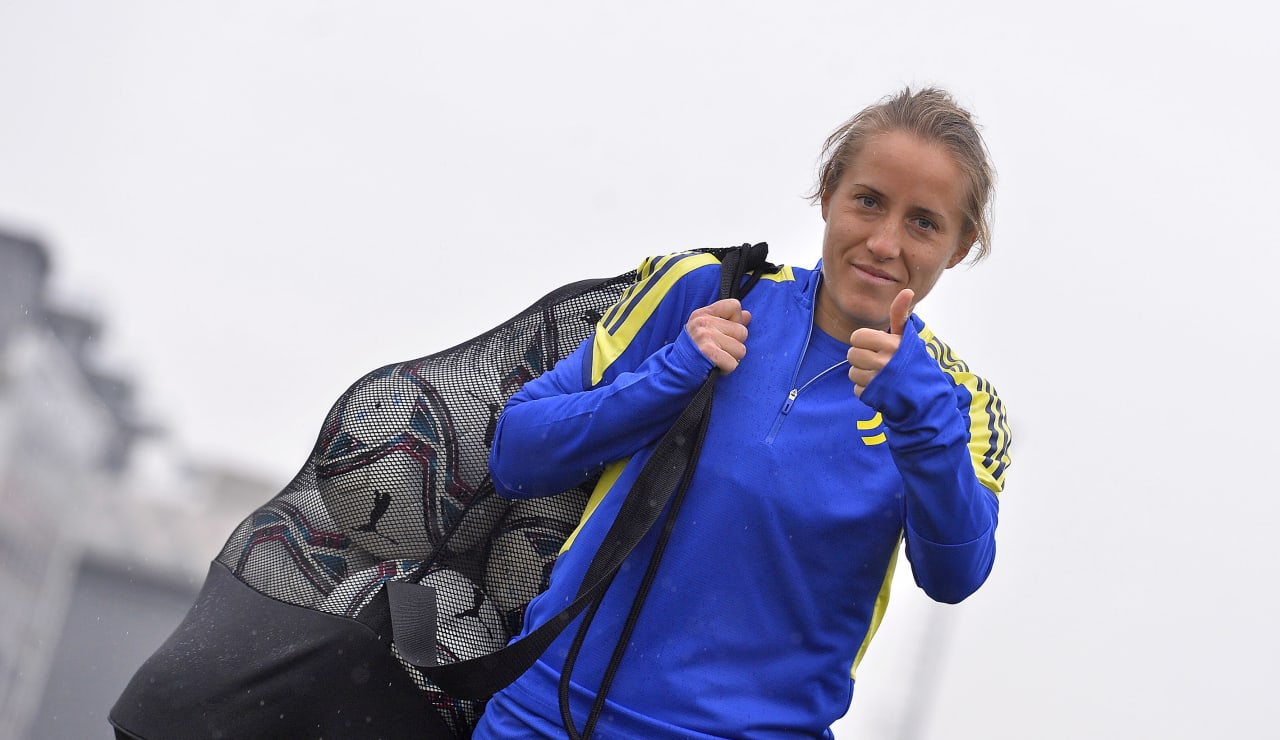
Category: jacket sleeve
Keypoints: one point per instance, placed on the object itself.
(617, 393)
(949, 439)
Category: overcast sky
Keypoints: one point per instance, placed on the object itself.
(266, 200)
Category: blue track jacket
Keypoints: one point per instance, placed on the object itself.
(778, 570)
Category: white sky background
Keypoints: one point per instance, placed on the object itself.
(266, 200)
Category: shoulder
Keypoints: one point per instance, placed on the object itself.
(651, 311)
(949, 362)
(663, 272)
(661, 281)
(939, 350)
(979, 402)
(681, 281)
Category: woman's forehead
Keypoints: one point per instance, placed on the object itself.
(899, 165)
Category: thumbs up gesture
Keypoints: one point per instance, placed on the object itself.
(872, 349)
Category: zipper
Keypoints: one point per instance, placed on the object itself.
(777, 423)
(795, 393)
(795, 374)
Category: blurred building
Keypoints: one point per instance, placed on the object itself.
(106, 529)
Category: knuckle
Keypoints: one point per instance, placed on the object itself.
(700, 324)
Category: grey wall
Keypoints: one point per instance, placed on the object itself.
(117, 617)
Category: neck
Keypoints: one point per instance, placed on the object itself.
(827, 317)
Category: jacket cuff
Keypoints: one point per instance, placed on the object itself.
(950, 573)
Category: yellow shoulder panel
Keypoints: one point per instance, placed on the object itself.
(620, 324)
(656, 276)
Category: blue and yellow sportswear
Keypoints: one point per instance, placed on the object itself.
(777, 573)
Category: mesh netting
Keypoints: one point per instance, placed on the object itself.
(398, 488)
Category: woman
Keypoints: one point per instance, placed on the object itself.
(842, 426)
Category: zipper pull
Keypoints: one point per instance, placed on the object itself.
(777, 423)
(791, 398)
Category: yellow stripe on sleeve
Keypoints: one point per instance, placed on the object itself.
(988, 425)
(603, 486)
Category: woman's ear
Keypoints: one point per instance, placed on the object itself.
(962, 251)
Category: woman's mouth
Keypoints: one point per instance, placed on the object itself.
(874, 275)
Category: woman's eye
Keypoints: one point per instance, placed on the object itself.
(926, 224)
(866, 201)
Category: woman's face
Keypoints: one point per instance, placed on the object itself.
(894, 220)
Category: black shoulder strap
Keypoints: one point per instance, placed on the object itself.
(666, 472)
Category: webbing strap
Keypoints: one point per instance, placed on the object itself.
(692, 423)
(673, 474)
(658, 482)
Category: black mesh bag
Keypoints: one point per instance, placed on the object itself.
(291, 635)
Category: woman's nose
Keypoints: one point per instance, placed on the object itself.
(885, 241)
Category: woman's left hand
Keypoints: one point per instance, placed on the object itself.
(872, 349)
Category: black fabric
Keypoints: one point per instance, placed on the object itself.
(292, 633)
(244, 666)
(414, 622)
(396, 489)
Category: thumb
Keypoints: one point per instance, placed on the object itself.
(900, 311)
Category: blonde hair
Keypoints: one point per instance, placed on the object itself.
(934, 116)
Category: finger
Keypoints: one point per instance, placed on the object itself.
(719, 330)
(865, 359)
(874, 340)
(728, 358)
(860, 379)
(733, 311)
(900, 311)
(729, 308)
(723, 343)
(704, 325)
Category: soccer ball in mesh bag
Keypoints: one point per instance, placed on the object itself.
(389, 473)
(358, 589)
(525, 546)
(467, 623)
(378, 502)
(293, 557)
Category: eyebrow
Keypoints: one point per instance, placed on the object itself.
(933, 215)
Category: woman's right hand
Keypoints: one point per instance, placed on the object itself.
(720, 332)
